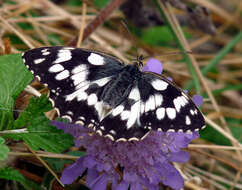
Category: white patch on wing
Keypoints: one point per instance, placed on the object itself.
(63, 55)
(160, 113)
(79, 68)
(95, 59)
(92, 99)
(159, 84)
(142, 107)
(46, 53)
(125, 115)
(158, 100)
(44, 50)
(83, 85)
(134, 94)
(56, 68)
(79, 77)
(192, 112)
(116, 111)
(40, 60)
(171, 113)
(188, 120)
(135, 108)
(101, 82)
(99, 106)
(79, 94)
(177, 103)
(150, 104)
(62, 75)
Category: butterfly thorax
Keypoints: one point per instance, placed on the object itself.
(118, 90)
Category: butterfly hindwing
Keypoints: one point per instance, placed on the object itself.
(154, 103)
(75, 77)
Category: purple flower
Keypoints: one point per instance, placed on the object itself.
(135, 164)
(153, 65)
(138, 164)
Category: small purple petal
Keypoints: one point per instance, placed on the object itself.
(180, 156)
(186, 91)
(121, 186)
(198, 100)
(99, 183)
(169, 78)
(92, 174)
(135, 186)
(73, 171)
(172, 177)
(153, 65)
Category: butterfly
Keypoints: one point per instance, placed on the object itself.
(117, 101)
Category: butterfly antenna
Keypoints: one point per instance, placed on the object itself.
(125, 25)
(168, 54)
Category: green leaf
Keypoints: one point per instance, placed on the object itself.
(11, 174)
(14, 77)
(212, 135)
(41, 135)
(36, 107)
(101, 3)
(157, 35)
(4, 150)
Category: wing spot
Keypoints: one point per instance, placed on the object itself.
(80, 122)
(102, 82)
(133, 139)
(110, 137)
(79, 68)
(67, 117)
(150, 104)
(102, 128)
(171, 113)
(62, 75)
(134, 115)
(70, 113)
(189, 131)
(46, 53)
(99, 132)
(56, 68)
(121, 140)
(171, 130)
(44, 50)
(113, 132)
(160, 113)
(158, 100)
(159, 84)
(79, 77)
(125, 115)
(134, 94)
(38, 61)
(117, 110)
(95, 59)
(188, 120)
(192, 112)
(92, 99)
(63, 55)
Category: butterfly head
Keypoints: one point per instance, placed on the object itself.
(139, 62)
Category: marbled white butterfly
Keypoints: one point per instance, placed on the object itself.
(118, 101)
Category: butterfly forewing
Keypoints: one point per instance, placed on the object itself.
(76, 79)
(118, 101)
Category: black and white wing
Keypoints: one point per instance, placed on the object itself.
(154, 103)
(76, 79)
